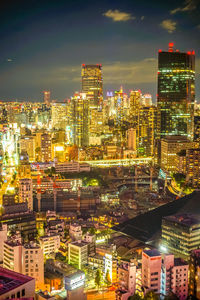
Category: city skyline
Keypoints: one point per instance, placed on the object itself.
(45, 44)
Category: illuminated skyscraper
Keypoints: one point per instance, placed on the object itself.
(47, 96)
(176, 92)
(92, 84)
(79, 107)
(146, 130)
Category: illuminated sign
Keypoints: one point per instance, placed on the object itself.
(74, 282)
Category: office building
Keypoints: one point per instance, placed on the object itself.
(181, 234)
(78, 254)
(146, 130)
(193, 167)
(176, 92)
(59, 116)
(75, 232)
(50, 243)
(92, 84)
(194, 278)
(47, 98)
(79, 119)
(26, 191)
(134, 105)
(15, 285)
(170, 146)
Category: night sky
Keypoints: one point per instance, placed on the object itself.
(44, 43)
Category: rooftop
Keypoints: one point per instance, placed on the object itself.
(78, 243)
(146, 226)
(10, 280)
(184, 219)
(179, 262)
(152, 253)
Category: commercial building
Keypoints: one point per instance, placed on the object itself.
(15, 285)
(59, 115)
(193, 167)
(26, 192)
(19, 218)
(50, 243)
(27, 144)
(47, 97)
(170, 146)
(78, 254)
(92, 84)
(194, 268)
(176, 92)
(146, 130)
(131, 139)
(181, 234)
(79, 119)
(3, 238)
(75, 232)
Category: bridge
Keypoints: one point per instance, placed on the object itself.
(125, 162)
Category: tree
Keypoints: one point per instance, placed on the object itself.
(151, 296)
(107, 278)
(98, 278)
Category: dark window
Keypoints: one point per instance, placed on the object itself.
(18, 294)
(23, 292)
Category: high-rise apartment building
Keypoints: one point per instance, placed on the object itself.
(151, 270)
(92, 84)
(176, 92)
(26, 259)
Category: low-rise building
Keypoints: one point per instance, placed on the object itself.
(15, 285)
(78, 254)
(50, 243)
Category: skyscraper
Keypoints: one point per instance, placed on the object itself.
(92, 84)
(79, 119)
(176, 92)
(47, 96)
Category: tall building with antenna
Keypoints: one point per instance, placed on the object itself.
(176, 92)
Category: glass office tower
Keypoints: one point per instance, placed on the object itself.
(176, 92)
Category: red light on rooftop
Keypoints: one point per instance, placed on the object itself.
(189, 53)
(83, 65)
(159, 50)
(171, 45)
(193, 52)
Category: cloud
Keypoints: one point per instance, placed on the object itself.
(169, 25)
(118, 16)
(189, 5)
(116, 73)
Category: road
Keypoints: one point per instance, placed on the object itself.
(107, 295)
